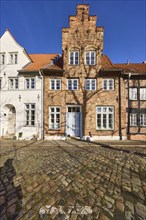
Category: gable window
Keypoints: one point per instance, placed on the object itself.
(90, 84)
(30, 83)
(55, 84)
(2, 58)
(90, 57)
(74, 58)
(142, 93)
(104, 118)
(108, 84)
(133, 93)
(142, 119)
(133, 119)
(13, 83)
(54, 118)
(72, 84)
(13, 59)
(30, 114)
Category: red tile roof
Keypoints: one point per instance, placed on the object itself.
(134, 68)
(39, 61)
(106, 63)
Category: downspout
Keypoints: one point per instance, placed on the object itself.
(129, 75)
(120, 127)
(42, 105)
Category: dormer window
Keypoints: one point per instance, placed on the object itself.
(74, 58)
(13, 59)
(2, 58)
(90, 58)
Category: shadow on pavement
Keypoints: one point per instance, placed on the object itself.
(10, 196)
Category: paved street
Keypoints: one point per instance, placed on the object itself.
(72, 180)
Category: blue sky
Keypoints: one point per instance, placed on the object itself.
(37, 25)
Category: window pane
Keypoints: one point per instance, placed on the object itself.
(110, 121)
(32, 83)
(104, 120)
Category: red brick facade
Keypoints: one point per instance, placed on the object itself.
(98, 86)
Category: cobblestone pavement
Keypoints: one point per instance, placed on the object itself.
(72, 180)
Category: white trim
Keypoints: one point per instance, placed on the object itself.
(54, 137)
(74, 51)
(55, 113)
(103, 138)
(72, 84)
(90, 51)
(108, 89)
(55, 84)
(133, 93)
(90, 84)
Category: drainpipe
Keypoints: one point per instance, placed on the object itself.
(42, 105)
(120, 127)
(129, 75)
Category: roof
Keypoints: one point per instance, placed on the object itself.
(39, 61)
(56, 64)
(106, 63)
(134, 68)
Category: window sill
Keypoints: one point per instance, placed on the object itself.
(54, 129)
(29, 126)
(102, 129)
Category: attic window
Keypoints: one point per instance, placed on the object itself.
(13, 58)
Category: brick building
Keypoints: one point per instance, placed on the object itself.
(80, 93)
(84, 93)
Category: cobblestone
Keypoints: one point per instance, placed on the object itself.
(72, 180)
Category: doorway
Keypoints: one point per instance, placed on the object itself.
(74, 121)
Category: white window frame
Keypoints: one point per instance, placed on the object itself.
(142, 93)
(133, 119)
(88, 58)
(108, 84)
(30, 111)
(74, 57)
(13, 58)
(54, 115)
(90, 84)
(13, 83)
(101, 112)
(2, 58)
(57, 84)
(29, 81)
(133, 93)
(142, 120)
(71, 84)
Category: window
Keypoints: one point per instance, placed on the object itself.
(133, 93)
(72, 84)
(90, 84)
(90, 58)
(13, 83)
(30, 114)
(105, 118)
(74, 58)
(55, 84)
(2, 58)
(142, 93)
(142, 119)
(133, 119)
(13, 58)
(0, 83)
(54, 118)
(30, 83)
(108, 84)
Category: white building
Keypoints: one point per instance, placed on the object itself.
(21, 113)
